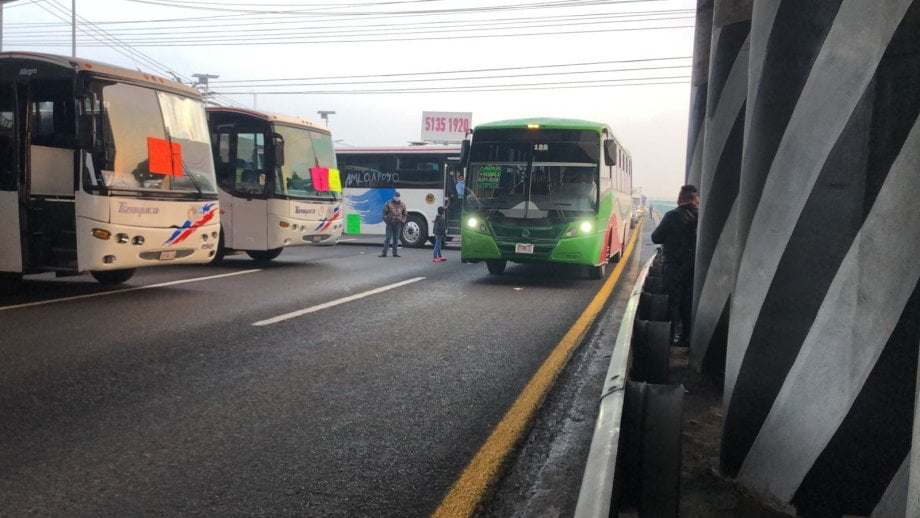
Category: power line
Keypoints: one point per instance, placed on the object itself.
(321, 11)
(445, 72)
(237, 27)
(207, 36)
(193, 43)
(471, 78)
(675, 80)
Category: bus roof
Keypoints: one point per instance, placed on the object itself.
(103, 69)
(271, 117)
(545, 122)
(409, 150)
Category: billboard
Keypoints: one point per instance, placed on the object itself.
(446, 126)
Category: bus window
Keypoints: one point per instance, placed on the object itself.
(52, 121)
(248, 164)
(7, 140)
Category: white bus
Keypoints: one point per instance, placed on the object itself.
(265, 169)
(425, 177)
(102, 169)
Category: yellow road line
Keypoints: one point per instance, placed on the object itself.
(479, 475)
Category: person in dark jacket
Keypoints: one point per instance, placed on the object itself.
(676, 233)
(440, 234)
(394, 215)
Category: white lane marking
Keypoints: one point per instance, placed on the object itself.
(336, 302)
(126, 290)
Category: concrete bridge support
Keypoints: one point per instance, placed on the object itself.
(698, 91)
(720, 171)
(824, 315)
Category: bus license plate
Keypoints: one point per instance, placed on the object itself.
(167, 255)
(523, 248)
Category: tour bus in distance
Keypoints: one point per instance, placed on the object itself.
(545, 190)
(278, 182)
(425, 177)
(102, 169)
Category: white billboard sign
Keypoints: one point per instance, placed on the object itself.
(446, 126)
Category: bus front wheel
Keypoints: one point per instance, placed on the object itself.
(221, 250)
(263, 256)
(415, 232)
(110, 277)
(496, 267)
(597, 272)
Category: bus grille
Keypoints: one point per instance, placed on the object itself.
(534, 233)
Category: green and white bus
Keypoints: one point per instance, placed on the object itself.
(545, 190)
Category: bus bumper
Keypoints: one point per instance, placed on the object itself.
(136, 247)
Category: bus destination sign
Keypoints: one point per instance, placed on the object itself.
(445, 126)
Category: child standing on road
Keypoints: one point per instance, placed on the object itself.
(440, 233)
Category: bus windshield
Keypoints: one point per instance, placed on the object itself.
(537, 176)
(303, 149)
(133, 120)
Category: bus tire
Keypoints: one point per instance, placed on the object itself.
(110, 277)
(10, 283)
(264, 256)
(496, 267)
(414, 232)
(221, 250)
(597, 272)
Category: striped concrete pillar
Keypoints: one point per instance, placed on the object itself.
(821, 367)
(698, 91)
(721, 169)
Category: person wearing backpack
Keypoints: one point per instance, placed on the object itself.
(677, 236)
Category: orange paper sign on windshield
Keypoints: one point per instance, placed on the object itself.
(165, 157)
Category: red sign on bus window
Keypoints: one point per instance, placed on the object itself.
(164, 157)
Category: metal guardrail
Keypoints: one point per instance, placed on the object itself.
(596, 493)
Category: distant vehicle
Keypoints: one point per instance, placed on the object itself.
(266, 166)
(638, 208)
(425, 177)
(102, 169)
(546, 190)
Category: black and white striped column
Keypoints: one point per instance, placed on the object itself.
(821, 365)
(698, 91)
(720, 171)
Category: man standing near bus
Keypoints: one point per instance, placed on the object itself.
(394, 215)
(677, 235)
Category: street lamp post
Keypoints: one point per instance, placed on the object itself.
(324, 114)
(203, 81)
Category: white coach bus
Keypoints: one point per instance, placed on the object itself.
(425, 177)
(268, 170)
(102, 169)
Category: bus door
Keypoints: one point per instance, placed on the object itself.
(47, 186)
(11, 251)
(249, 210)
(454, 202)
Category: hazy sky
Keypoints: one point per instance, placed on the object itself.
(319, 41)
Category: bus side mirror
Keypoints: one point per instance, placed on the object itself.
(610, 152)
(86, 131)
(464, 154)
(278, 145)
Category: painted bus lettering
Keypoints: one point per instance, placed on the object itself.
(124, 208)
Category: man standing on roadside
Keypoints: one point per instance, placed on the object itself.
(394, 215)
(677, 236)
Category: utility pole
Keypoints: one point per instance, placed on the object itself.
(324, 114)
(203, 81)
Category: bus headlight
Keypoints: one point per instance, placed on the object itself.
(586, 226)
(472, 223)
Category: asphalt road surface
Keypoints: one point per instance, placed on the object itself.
(163, 398)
